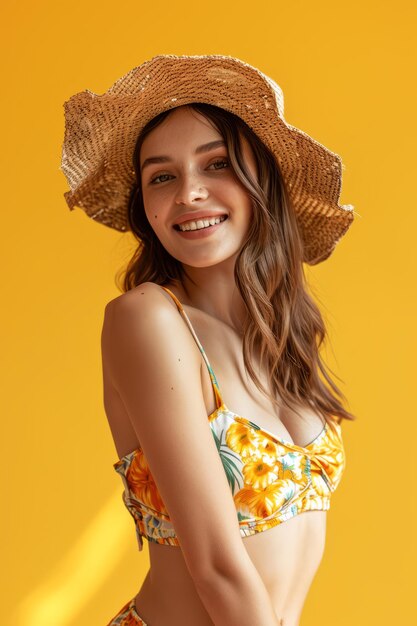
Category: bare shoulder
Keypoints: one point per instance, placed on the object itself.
(154, 364)
(130, 339)
(143, 326)
(154, 296)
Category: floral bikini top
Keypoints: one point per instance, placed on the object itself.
(271, 480)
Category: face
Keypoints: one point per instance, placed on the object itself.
(185, 183)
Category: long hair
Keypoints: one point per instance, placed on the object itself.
(284, 327)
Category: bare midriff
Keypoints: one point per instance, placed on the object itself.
(286, 556)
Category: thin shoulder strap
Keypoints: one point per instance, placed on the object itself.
(217, 393)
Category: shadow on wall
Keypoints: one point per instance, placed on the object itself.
(69, 587)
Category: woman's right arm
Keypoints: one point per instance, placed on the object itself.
(154, 363)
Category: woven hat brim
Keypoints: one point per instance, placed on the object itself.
(101, 132)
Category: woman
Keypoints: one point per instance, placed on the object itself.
(222, 425)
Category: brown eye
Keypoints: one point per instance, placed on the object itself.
(221, 162)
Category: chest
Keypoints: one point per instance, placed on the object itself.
(224, 349)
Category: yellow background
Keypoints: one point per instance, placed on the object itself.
(348, 74)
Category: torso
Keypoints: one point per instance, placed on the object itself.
(286, 556)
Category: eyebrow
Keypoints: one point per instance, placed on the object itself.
(206, 147)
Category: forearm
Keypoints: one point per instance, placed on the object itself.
(238, 599)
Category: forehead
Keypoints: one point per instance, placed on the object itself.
(180, 125)
(184, 128)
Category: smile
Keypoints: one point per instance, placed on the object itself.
(200, 224)
(201, 229)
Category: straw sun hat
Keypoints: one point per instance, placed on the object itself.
(101, 132)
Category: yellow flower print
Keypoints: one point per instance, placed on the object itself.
(242, 439)
(291, 466)
(318, 485)
(270, 450)
(261, 504)
(330, 457)
(142, 484)
(311, 503)
(259, 474)
(333, 464)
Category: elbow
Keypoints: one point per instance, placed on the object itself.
(216, 571)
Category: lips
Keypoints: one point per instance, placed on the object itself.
(202, 218)
(201, 233)
(197, 215)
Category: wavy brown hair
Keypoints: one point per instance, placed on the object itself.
(284, 327)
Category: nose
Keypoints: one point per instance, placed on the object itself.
(190, 190)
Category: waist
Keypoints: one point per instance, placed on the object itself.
(279, 555)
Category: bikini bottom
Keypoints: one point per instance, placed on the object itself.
(127, 616)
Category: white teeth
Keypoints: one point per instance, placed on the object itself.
(201, 223)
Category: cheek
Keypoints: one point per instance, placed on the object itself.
(156, 203)
(246, 207)
(153, 212)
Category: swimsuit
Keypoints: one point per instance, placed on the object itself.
(127, 616)
(271, 479)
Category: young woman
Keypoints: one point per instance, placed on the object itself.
(223, 426)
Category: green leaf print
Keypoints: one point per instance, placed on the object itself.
(231, 469)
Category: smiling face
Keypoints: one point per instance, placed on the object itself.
(194, 181)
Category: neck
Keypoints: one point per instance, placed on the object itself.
(213, 290)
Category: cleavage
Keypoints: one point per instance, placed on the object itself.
(239, 401)
(239, 393)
